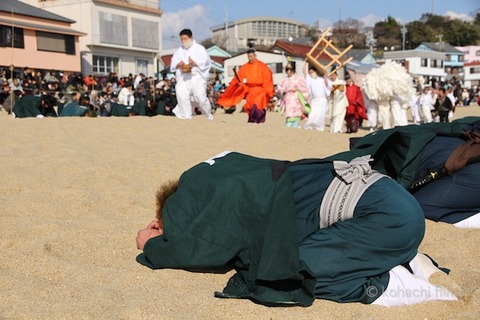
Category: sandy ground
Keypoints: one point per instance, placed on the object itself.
(74, 192)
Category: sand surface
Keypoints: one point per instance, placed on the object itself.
(74, 192)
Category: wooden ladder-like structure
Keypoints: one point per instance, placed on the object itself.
(335, 54)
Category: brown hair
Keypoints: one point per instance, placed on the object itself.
(163, 193)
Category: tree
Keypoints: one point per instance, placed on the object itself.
(417, 33)
(348, 32)
(388, 33)
(219, 41)
(461, 33)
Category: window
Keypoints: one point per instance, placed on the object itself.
(424, 62)
(477, 53)
(104, 65)
(6, 37)
(275, 67)
(433, 63)
(474, 70)
(54, 42)
(145, 34)
(113, 28)
(142, 66)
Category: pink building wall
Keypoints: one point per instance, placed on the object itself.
(31, 57)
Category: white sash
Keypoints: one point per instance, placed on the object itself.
(346, 188)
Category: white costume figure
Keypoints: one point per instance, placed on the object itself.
(319, 88)
(384, 114)
(372, 112)
(399, 112)
(389, 82)
(415, 107)
(453, 99)
(339, 103)
(125, 96)
(426, 102)
(191, 64)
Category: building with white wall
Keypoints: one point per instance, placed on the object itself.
(275, 61)
(426, 63)
(472, 53)
(122, 36)
(258, 31)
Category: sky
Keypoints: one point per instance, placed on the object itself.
(200, 15)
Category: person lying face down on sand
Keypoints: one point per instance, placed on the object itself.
(293, 231)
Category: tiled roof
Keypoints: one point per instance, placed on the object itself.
(297, 50)
(21, 8)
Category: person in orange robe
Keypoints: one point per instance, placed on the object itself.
(253, 82)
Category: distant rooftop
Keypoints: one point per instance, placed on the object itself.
(20, 8)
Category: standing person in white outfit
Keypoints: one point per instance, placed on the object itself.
(319, 88)
(384, 114)
(372, 112)
(426, 101)
(399, 112)
(339, 103)
(191, 64)
(415, 107)
(125, 95)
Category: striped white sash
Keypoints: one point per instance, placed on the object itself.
(346, 188)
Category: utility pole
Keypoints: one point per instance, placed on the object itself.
(404, 32)
(370, 41)
(226, 24)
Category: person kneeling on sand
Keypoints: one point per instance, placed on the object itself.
(293, 231)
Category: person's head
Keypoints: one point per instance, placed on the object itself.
(442, 92)
(348, 79)
(48, 101)
(186, 38)
(290, 68)
(312, 71)
(85, 100)
(75, 96)
(251, 55)
(163, 193)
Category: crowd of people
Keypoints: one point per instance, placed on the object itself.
(316, 98)
(89, 95)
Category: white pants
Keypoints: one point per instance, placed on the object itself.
(399, 115)
(192, 86)
(384, 115)
(337, 120)
(316, 117)
(426, 113)
(372, 115)
(415, 113)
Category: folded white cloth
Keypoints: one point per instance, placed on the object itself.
(470, 222)
(405, 288)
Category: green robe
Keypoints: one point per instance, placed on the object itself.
(30, 106)
(73, 109)
(120, 110)
(396, 152)
(237, 212)
(260, 216)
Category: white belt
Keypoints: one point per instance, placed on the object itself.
(346, 188)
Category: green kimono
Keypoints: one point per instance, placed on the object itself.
(73, 109)
(236, 212)
(261, 217)
(120, 110)
(30, 106)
